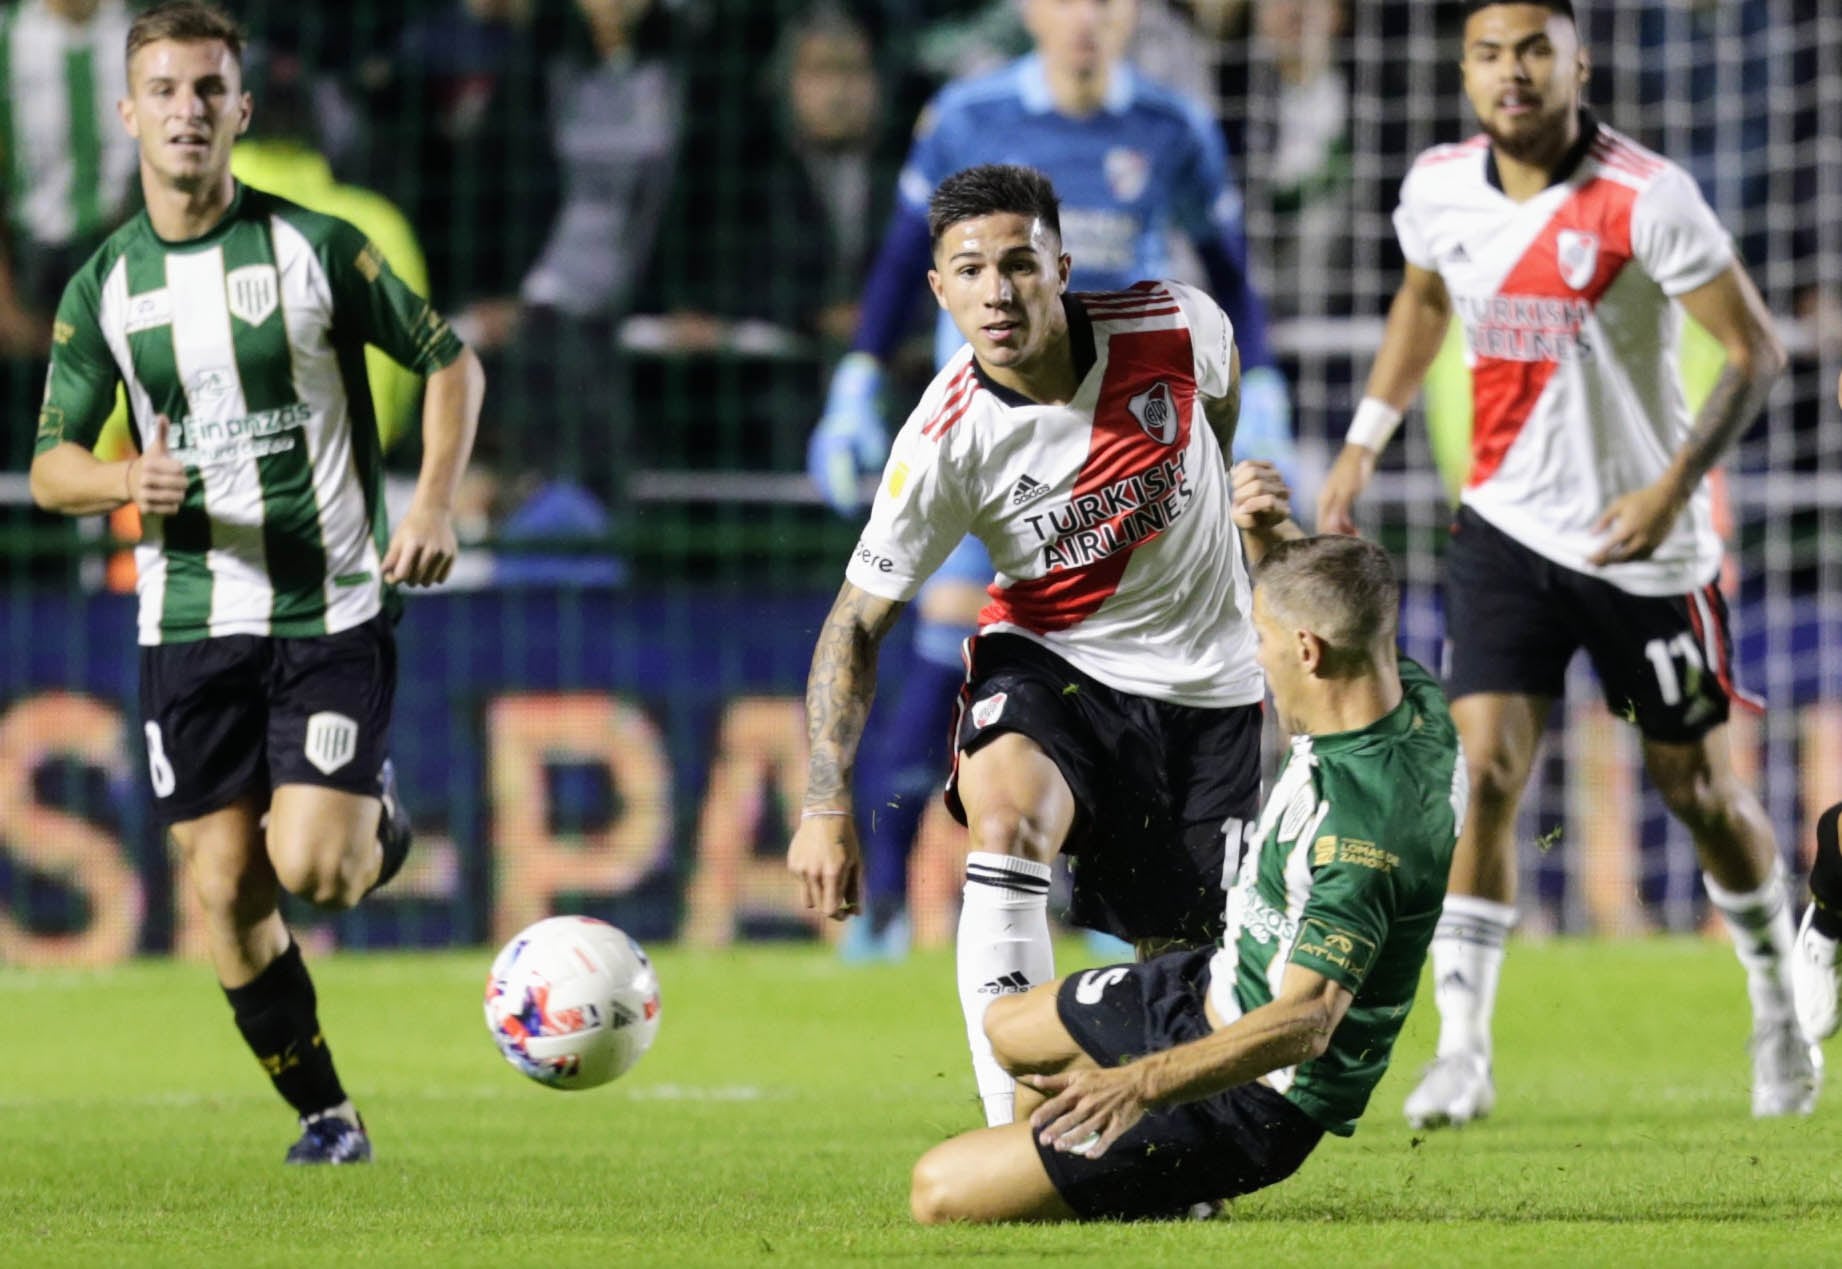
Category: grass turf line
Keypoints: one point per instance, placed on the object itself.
(777, 1117)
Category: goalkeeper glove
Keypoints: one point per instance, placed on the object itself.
(1265, 426)
(850, 439)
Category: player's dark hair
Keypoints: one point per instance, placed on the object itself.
(1341, 589)
(989, 188)
(185, 20)
(1562, 7)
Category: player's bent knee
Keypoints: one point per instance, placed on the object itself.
(933, 1197)
(1699, 798)
(1009, 831)
(1496, 775)
(223, 892)
(1006, 1024)
(317, 868)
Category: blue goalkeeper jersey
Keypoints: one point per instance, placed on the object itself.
(1147, 162)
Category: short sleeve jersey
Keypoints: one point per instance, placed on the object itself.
(1570, 328)
(1345, 874)
(1106, 517)
(251, 341)
(1147, 162)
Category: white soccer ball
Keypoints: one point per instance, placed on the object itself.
(572, 1002)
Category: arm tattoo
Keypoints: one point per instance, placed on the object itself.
(1730, 408)
(840, 687)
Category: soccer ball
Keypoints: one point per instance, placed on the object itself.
(572, 1002)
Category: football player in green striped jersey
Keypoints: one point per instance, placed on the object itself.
(236, 324)
(1172, 1083)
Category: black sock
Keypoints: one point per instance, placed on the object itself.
(1826, 876)
(275, 1011)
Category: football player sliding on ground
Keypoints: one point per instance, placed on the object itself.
(1152, 1088)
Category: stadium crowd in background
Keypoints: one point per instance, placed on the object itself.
(460, 112)
(728, 221)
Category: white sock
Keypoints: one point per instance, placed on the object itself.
(1760, 926)
(1467, 959)
(344, 1110)
(1003, 948)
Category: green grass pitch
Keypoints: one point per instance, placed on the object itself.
(775, 1121)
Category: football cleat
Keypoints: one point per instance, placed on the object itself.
(393, 832)
(1454, 1090)
(1814, 982)
(331, 1139)
(1787, 1071)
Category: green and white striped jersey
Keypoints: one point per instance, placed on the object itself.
(70, 165)
(251, 340)
(1345, 874)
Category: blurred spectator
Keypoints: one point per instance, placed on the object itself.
(69, 170)
(282, 153)
(69, 174)
(1307, 168)
(561, 405)
(795, 172)
(813, 185)
(460, 123)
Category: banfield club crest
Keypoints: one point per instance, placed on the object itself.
(1577, 254)
(1156, 412)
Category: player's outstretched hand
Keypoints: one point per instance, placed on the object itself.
(1348, 477)
(1636, 523)
(1260, 500)
(828, 862)
(1087, 1110)
(850, 439)
(156, 480)
(422, 549)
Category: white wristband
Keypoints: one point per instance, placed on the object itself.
(1374, 423)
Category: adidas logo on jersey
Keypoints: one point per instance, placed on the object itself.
(1458, 255)
(1027, 489)
(1005, 984)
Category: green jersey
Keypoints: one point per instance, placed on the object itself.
(251, 340)
(1345, 874)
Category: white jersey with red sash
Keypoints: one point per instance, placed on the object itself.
(1106, 517)
(1570, 330)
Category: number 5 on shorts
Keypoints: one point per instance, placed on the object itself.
(161, 770)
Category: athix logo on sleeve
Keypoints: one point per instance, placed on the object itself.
(1345, 949)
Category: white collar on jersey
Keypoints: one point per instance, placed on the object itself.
(1033, 87)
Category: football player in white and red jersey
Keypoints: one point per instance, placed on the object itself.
(1112, 699)
(1566, 250)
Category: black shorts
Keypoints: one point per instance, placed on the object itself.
(1235, 1142)
(241, 714)
(1160, 788)
(1514, 619)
